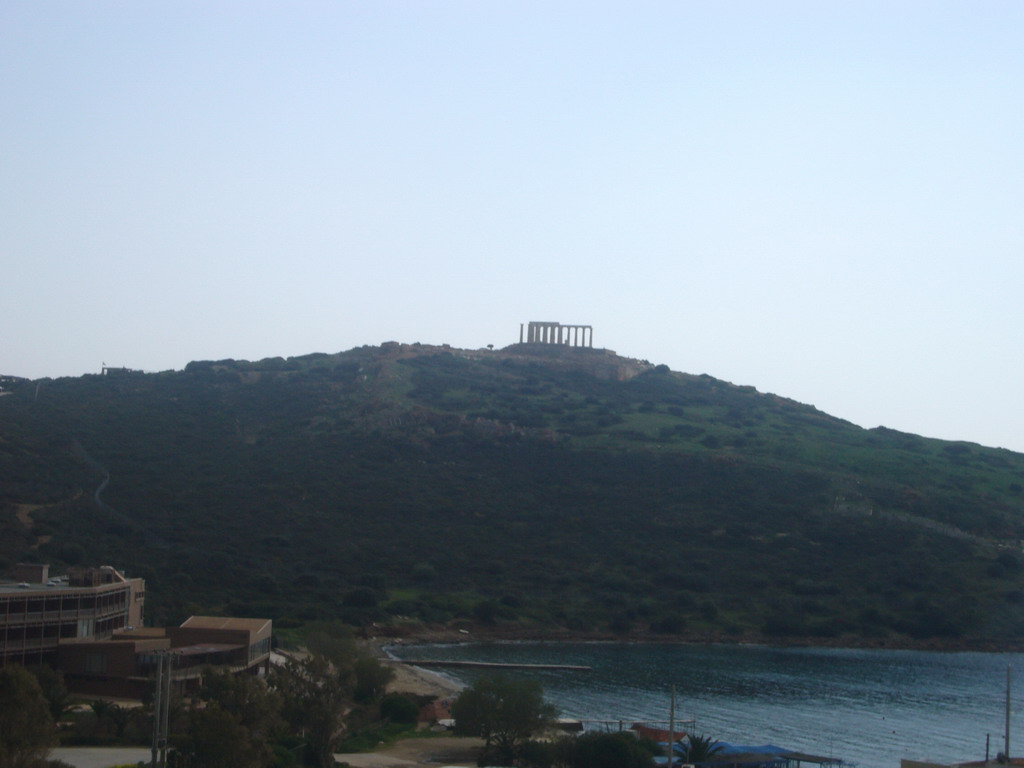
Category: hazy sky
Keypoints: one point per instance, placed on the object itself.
(822, 199)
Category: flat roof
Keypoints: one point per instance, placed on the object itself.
(62, 587)
(140, 633)
(225, 622)
(196, 650)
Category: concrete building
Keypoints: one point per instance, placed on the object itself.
(37, 612)
(125, 664)
(89, 626)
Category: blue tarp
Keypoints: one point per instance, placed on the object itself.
(739, 749)
(679, 750)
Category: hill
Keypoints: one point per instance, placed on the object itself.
(532, 488)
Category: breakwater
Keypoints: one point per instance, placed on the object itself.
(869, 707)
(492, 665)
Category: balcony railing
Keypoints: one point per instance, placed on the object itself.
(44, 617)
(29, 643)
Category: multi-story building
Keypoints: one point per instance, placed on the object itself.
(125, 664)
(37, 612)
(88, 625)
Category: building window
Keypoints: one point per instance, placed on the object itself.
(259, 648)
(95, 663)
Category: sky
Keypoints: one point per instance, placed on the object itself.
(824, 200)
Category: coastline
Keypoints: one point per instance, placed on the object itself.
(906, 728)
(409, 679)
(421, 681)
(467, 633)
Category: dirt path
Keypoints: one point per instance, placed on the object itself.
(100, 757)
(436, 750)
(24, 513)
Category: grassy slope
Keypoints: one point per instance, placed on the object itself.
(432, 484)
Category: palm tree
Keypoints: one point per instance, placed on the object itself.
(101, 708)
(700, 748)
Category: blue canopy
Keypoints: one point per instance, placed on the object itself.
(726, 750)
(742, 749)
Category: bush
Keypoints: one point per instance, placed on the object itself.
(398, 708)
(605, 750)
(672, 624)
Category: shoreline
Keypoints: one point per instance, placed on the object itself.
(407, 678)
(423, 681)
(427, 635)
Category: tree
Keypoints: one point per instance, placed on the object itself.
(333, 641)
(604, 750)
(26, 727)
(316, 693)
(372, 679)
(246, 697)
(101, 709)
(216, 739)
(700, 748)
(398, 708)
(51, 683)
(121, 717)
(503, 712)
(230, 723)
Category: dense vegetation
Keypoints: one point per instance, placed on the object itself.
(303, 712)
(522, 488)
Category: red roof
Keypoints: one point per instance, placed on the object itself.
(656, 734)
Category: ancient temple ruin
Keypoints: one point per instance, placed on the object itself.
(556, 333)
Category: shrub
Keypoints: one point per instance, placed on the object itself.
(398, 708)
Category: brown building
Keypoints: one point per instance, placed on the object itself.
(88, 625)
(37, 612)
(125, 664)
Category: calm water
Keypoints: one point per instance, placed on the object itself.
(869, 708)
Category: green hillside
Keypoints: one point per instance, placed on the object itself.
(530, 488)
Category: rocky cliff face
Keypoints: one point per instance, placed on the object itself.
(601, 363)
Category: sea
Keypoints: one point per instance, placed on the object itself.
(869, 708)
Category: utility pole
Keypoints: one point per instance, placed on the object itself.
(1006, 736)
(672, 730)
(158, 688)
(168, 676)
(161, 710)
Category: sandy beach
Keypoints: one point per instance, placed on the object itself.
(419, 681)
(435, 750)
